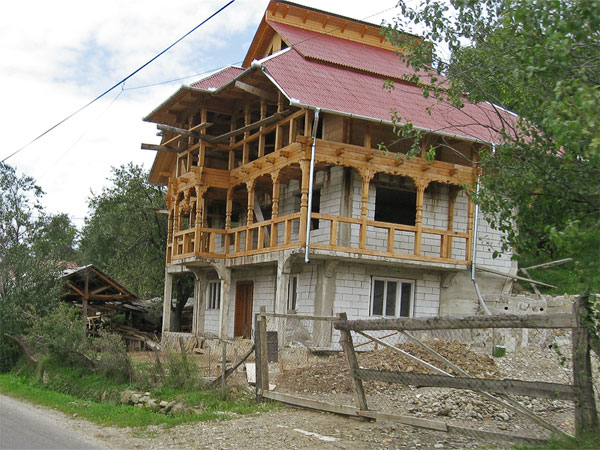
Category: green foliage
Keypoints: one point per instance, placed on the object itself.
(112, 359)
(29, 276)
(123, 235)
(58, 334)
(181, 372)
(538, 59)
(589, 441)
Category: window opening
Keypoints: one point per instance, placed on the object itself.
(214, 295)
(392, 297)
(395, 206)
(315, 208)
(292, 293)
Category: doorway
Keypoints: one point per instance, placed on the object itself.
(243, 309)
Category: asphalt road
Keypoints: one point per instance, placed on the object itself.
(23, 426)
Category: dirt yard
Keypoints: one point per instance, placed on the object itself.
(326, 379)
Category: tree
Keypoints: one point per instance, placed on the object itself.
(57, 237)
(125, 237)
(123, 234)
(538, 59)
(29, 276)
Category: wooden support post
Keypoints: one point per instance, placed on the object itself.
(308, 120)
(447, 248)
(246, 146)
(586, 416)
(304, 165)
(261, 136)
(419, 216)
(366, 180)
(223, 368)
(264, 361)
(348, 345)
(275, 208)
(250, 215)
(228, 210)
(367, 137)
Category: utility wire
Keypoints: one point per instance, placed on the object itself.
(120, 82)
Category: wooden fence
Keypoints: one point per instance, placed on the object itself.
(498, 391)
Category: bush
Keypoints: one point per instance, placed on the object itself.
(111, 357)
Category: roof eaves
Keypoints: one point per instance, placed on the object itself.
(294, 102)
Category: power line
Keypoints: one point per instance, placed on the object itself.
(120, 82)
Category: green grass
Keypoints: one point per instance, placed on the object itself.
(562, 276)
(73, 391)
(588, 441)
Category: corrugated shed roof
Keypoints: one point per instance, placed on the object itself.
(341, 52)
(333, 88)
(218, 79)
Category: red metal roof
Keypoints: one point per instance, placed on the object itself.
(218, 79)
(341, 52)
(334, 88)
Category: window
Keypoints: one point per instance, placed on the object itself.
(214, 295)
(395, 206)
(391, 297)
(315, 208)
(292, 292)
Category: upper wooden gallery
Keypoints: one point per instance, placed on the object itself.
(236, 151)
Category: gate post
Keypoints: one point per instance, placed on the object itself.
(348, 345)
(586, 416)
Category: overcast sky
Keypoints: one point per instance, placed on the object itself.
(58, 55)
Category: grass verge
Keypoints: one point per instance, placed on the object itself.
(208, 404)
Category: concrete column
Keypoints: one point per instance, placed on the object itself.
(167, 297)
(225, 276)
(281, 293)
(199, 303)
(324, 300)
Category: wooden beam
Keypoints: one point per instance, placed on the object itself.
(538, 389)
(516, 277)
(193, 132)
(159, 148)
(256, 91)
(275, 117)
(452, 323)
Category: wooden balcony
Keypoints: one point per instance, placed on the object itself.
(373, 238)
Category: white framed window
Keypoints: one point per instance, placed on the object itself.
(214, 295)
(392, 297)
(292, 293)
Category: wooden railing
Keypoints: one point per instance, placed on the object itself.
(334, 233)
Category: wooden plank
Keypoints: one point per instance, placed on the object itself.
(310, 403)
(553, 391)
(159, 148)
(551, 263)
(495, 435)
(408, 355)
(535, 288)
(267, 120)
(515, 277)
(256, 91)
(300, 316)
(193, 132)
(406, 420)
(452, 323)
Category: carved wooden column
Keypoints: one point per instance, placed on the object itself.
(250, 214)
(275, 176)
(305, 167)
(228, 209)
(198, 235)
(446, 250)
(366, 176)
(421, 185)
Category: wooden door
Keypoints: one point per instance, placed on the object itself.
(243, 309)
